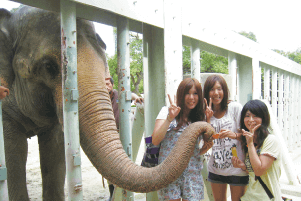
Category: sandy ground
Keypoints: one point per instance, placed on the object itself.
(93, 189)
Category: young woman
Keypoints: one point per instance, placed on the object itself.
(263, 153)
(169, 125)
(224, 118)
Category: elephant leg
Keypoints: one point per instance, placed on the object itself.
(15, 143)
(52, 159)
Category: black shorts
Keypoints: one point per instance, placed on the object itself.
(232, 180)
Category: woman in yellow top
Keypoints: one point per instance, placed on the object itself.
(263, 154)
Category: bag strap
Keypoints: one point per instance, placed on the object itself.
(267, 190)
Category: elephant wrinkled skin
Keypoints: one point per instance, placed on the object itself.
(30, 66)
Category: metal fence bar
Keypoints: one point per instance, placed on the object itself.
(124, 90)
(232, 60)
(70, 99)
(280, 100)
(286, 109)
(274, 91)
(267, 95)
(293, 111)
(3, 171)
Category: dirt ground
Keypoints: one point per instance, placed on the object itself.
(93, 189)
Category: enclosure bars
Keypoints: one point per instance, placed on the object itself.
(70, 99)
(124, 91)
(195, 73)
(3, 170)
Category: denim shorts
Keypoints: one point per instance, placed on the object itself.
(232, 180)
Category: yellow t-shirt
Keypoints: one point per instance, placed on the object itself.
(255, 191)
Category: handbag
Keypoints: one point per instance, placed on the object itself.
(267, 190)
(151, 155)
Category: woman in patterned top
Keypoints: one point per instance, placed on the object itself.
(224, 118)
(169, 125)
(263, 154)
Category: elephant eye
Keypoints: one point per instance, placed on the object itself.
(46, 67)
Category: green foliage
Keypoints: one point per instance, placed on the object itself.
(210, 63)
(249, 35)
(136, 65)
(113, 67)
(294, 56)
(186, 60)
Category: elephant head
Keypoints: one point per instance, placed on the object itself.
(30, 66)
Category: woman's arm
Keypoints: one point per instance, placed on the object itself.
(161, 126)
(260, 164)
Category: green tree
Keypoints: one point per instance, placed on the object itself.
(210, 63)
(295, 56)
(186, 60)
(249, 35)
(136, 64)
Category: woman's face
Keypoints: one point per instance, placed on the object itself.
(216, 93)
(192, 98)
(251, 120)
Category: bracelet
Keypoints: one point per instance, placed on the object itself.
(168, 118)
(243, 169)
(236, 136)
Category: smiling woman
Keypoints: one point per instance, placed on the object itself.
(224, 118)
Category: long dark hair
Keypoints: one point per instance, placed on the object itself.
(197, 113)
(259, 109)
(209, 84)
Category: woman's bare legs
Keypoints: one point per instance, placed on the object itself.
(219, 191)
(237, 192)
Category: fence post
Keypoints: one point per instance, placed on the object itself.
(70, 99)
(3, 170)
(124, 91)
(256, 79)
(233, 73)
(153, 80)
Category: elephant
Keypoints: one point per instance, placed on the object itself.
(30, 66)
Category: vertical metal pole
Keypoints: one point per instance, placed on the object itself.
(256, 78)
(172, 46)
(245, 79)
(3, 170)
(286, 110)
(280, 101)
(137, 129)
(70, 99)
(195, 60)
(195, 73)
(124, 90)
(293, 111)
(274, 91)
(153, 80)
(232, 72)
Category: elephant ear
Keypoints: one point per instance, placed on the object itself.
(6, 49)
(100, 42)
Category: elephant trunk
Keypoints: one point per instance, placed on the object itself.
(100, 139)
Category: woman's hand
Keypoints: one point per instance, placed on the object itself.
(173, 109)
(237, 163)
(208, 111)
(227, 133)
(250, 134)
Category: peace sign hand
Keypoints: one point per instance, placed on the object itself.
(173, 109)
(208, 111)
(250, 135)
